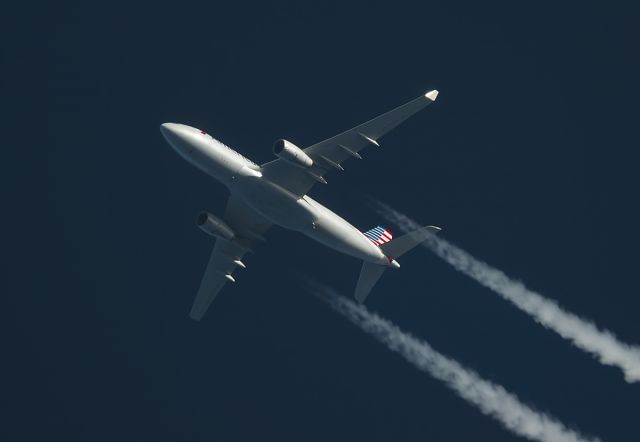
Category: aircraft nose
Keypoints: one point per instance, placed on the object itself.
(169, 131)
(176, 136)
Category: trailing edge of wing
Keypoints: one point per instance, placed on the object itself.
(369, 275)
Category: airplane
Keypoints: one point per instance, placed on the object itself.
(276, 193)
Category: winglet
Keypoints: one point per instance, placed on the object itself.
(432, 95)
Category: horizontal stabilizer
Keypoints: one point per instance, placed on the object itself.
(369, 275)
(401, 245)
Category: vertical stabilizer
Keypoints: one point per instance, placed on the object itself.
(369, 275)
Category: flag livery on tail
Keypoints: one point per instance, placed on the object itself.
(378, 235)
(392, 249)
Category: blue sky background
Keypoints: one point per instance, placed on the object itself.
(528, 160)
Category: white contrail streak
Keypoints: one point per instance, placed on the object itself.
(491, 399)
(583, 333)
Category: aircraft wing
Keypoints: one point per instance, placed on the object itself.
(226, 256)
(331, 153)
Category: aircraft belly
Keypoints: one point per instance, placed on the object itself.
(305, 215)
(337, 233)
(274, 203)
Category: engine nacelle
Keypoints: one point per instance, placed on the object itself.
(214, 226)
(291, 153)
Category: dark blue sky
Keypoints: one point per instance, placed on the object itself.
(528, 160)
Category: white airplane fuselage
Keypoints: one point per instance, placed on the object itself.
(244, 179)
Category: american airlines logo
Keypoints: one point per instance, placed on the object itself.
(378, 235)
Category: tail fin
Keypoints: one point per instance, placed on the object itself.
(369, 275)
(378, 235)
(400, 246)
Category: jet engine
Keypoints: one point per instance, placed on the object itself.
(291, 153)
(214, 226)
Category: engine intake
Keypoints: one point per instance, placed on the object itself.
(214, 226)
(292, 154)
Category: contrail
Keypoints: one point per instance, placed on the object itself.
(583, 333)
(490, 399)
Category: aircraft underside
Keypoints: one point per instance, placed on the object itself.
(276, 193)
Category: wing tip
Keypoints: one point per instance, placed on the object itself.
(432, 95)
(435, 228)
